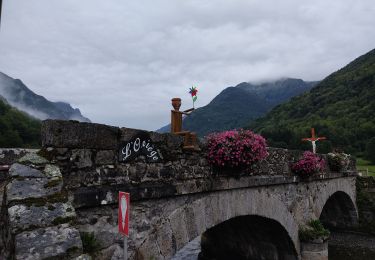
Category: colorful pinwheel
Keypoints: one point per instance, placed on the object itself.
(193, 92)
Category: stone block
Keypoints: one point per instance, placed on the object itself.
(52, 171)
(114, 252)
(198, 208)
(59, 242)
(10, 156)
(18, 190)
(24, 217)
(32, 158)
(158, 138)
(149, 250)
(164, 238)
(128, 133)
(179, 228)
(105, 157)
(81, 158)
(20, 170)
(73, 134)
(191, 223)
(314, 251)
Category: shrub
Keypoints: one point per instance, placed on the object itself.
(235, 148)
(308, 165)
(338, 161)
(313, 230)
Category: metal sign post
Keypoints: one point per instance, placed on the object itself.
(123, 218)
(125, 248)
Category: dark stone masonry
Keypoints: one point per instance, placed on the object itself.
(55, 197)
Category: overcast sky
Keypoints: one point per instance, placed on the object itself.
(121, 61)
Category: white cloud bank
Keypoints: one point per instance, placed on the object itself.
(121, 62)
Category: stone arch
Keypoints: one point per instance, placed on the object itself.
(206, 211)
(339, 212)
(343, 186)
(248, 237)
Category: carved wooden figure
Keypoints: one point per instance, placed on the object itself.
(190, 139)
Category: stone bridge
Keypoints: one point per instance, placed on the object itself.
(62, 201)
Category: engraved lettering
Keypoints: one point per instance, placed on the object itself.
(127, 152)
(137, 145)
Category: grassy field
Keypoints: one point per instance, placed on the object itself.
(363, 165)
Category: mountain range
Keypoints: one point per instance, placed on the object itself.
(341, 108)
(236, 106)
(21, 111)
(21, 97)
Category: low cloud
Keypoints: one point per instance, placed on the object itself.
(120, 62)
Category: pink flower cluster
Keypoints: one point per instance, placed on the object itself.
(308, 165)
(235, 148)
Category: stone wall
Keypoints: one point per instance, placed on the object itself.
(70, 189)
(8, 156)
(88, 155)
(37, 214)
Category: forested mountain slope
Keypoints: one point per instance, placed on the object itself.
(341, 107)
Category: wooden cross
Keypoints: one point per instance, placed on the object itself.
(313, 139)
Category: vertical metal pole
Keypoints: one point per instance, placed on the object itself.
(125, 248)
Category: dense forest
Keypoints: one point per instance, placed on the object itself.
(341, 108)
(17, 129)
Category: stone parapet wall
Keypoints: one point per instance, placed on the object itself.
(88, 155)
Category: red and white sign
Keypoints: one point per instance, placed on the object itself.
(123, 212)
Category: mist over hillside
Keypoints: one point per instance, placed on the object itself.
(20, 96)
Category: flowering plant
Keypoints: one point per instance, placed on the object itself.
(309, 164)
(235, 148)
(338, 161)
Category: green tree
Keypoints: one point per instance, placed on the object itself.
(17, 129)
(370, 150)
